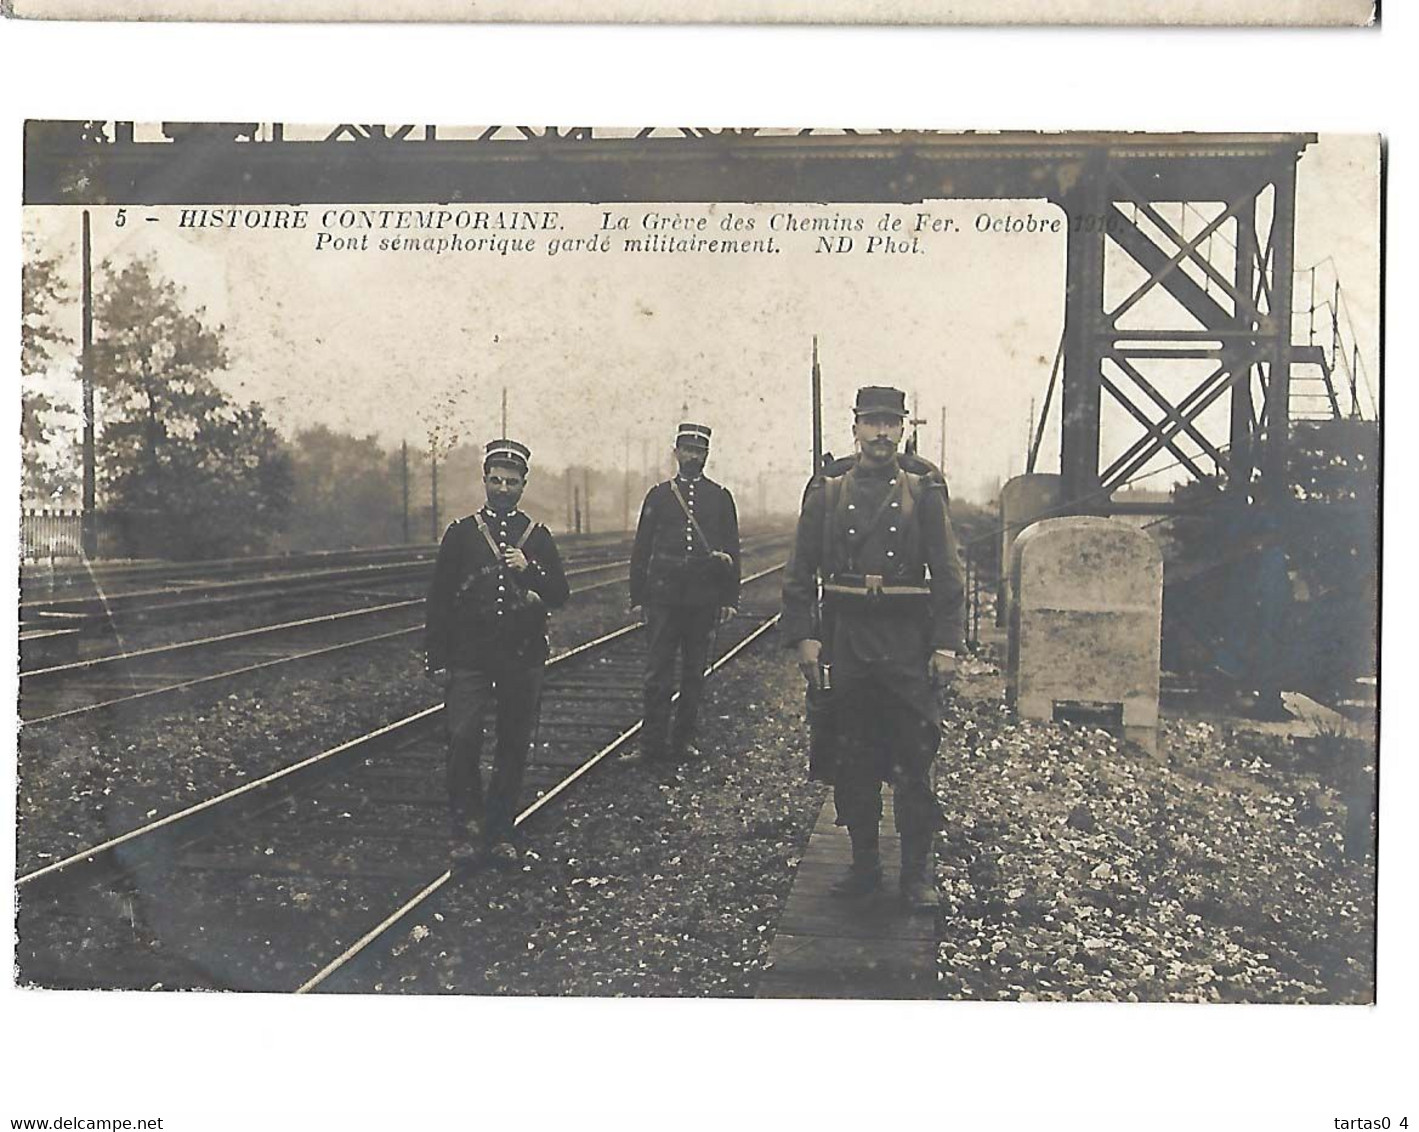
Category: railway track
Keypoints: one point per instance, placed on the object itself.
(199, 597)
(87, 579)
(73, 577)
(144, 676)
(286, 881)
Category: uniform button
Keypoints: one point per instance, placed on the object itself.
(851, 531)
(895, 504)
(852, 506)
(891, 554)
(893, 529)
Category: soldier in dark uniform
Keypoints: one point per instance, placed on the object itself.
(878, 536)
(685, 578)
(498, 574)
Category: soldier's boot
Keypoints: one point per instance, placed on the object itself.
(465, 841)
(682, 747)
(864, 875)
(918, 877)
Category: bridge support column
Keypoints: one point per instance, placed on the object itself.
(1083, 346)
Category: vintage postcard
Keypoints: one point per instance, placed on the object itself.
(699, 563)
(1299, 13)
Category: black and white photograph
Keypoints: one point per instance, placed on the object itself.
(829, 564)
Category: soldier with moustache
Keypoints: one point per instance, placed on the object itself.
(876, 535)
(497, 576)
(684, 582)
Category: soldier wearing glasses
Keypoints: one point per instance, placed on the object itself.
(878, 540)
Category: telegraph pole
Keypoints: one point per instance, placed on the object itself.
(914, 445)
(434, 488)
(88, 530)
(504, 435)
(404, 476)
(586, 495)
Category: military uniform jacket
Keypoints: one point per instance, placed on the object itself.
(866, 535)
(481, 615)
(670, 563)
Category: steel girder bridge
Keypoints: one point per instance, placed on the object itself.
(1164, 322)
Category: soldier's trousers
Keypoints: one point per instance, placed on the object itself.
(514, 695)
(889, 732)
(675, 630)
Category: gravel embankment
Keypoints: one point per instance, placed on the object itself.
(1072, 868)
(1076, 869)
(643, 883)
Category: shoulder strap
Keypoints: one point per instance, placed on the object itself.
(472, 572)
(910, 491)
(685, 507)
(832, 496)
(487, 536)
(527, 534)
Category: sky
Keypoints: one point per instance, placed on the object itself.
(601, 354)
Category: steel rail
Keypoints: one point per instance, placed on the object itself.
(399, 730)
(244, 670)
(234, 586)
(89, 663)
(196, 682)
(41, 575)
(205, 591)
(433, 887)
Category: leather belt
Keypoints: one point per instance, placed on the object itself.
(872, 585)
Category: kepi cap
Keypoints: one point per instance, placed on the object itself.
(692, 435)
(872, 399)
(506, 451)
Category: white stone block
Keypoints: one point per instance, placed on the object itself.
(1023, 500)
(1086, 628)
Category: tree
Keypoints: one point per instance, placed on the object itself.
(194, 474)
(42, 290)
(347, 492)
(1292, 588)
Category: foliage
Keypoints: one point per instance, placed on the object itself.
(42, 291)
(1321, 550)
(977, 530)
(347, 492)
(196, 475)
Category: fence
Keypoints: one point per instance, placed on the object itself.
(982, 562)
(47, 533)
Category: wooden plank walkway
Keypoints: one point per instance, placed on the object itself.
(835, 947)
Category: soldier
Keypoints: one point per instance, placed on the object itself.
(498, 574)
(684, 582)
(879, 537)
